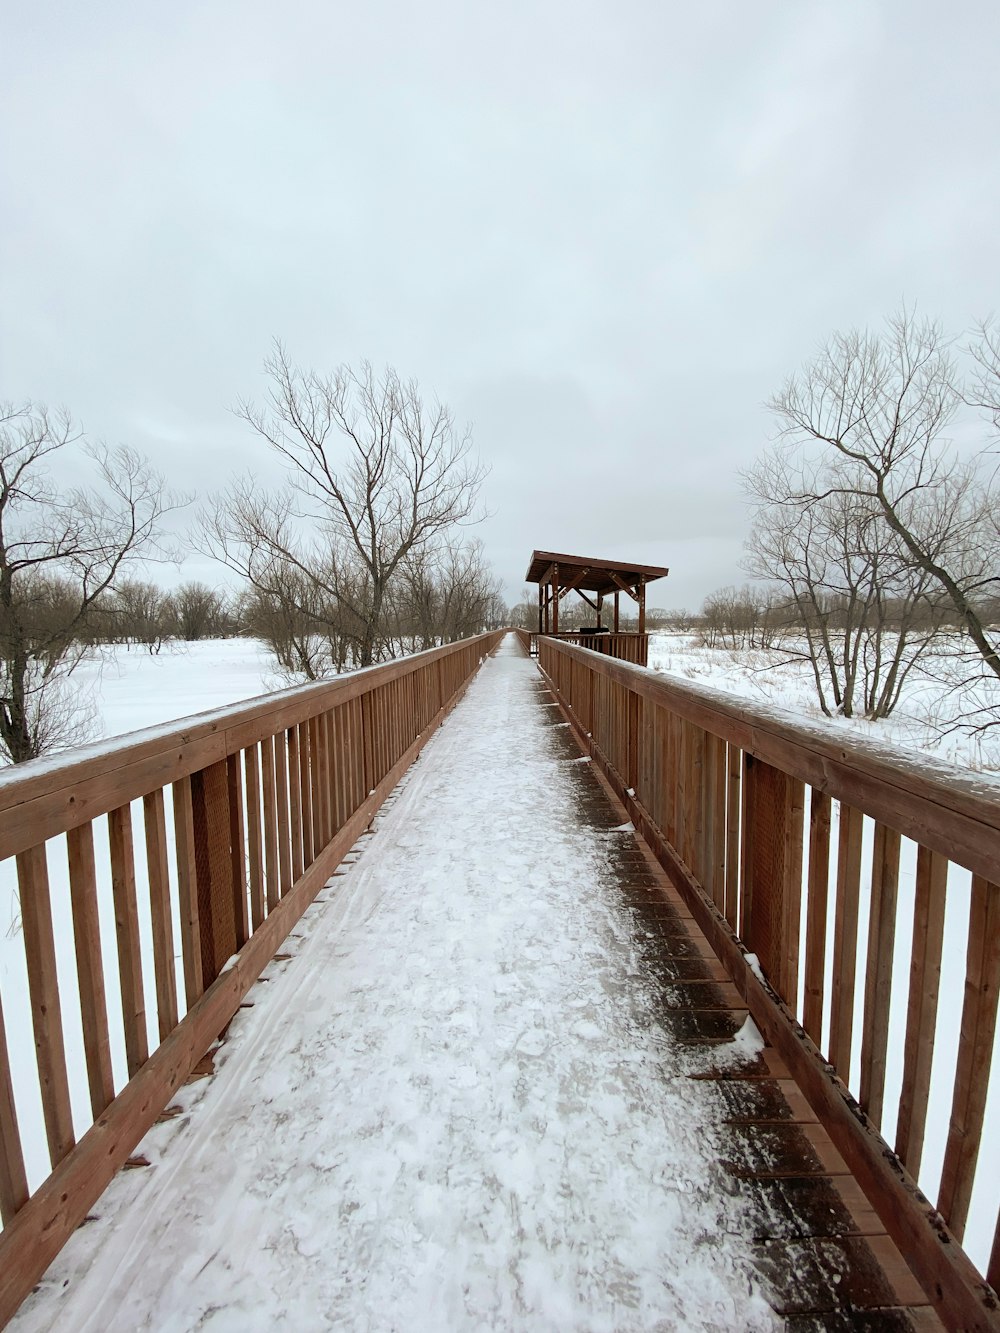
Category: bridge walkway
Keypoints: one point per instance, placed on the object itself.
(496, 1079)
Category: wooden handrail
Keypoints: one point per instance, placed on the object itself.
(262, 800)
(739, 803)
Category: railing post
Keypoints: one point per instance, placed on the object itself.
(214, 865)
(772, 870)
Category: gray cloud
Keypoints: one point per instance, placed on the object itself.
(602, 233)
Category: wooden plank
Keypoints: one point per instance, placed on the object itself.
(845, 940)
(46, 1011)
(315, 786)
(13, 1182)
(305, 794)
(282, 813)
(734, 804)
(717, 835)
(295, 800)
(127, 937)
(816, 910)
(160, 913)
(340, 795)
(697, 793)
(975, 1055)
(366, 731)
(878, 971)
(187, 890)
(90, 966)
(237, 851)
(793, 831)
(255, 846)
(773, 873)
(272, 886)
(922, 1006)
(214, 867)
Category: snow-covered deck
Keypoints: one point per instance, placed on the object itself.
(472, 1094)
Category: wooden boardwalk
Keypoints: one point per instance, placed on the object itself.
(266, 799)
(824, 1256)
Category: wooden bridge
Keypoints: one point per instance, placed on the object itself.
(767, 877)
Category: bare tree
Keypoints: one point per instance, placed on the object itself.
(374, 476)
(737, 619)
(447, 593)
(199, 612)
(139, 612)
(60, 551)
(854, 605)
(880, 404)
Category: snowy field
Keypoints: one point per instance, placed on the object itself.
(451, 1109)
(920, 721)
(124, 689)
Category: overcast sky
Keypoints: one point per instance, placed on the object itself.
(603, 233)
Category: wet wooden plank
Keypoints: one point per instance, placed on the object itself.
(836, 1273)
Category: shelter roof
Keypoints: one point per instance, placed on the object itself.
(591, 573)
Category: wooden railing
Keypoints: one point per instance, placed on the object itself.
(625, 647)
(241, 815)
(831, 861)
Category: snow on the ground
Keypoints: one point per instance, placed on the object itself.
(441, 1113)
(129, 687)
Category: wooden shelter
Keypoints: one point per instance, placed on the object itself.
(591, 579)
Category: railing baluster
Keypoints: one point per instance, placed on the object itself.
(305, 789)
(13, 1182)
(734, 803)
(90, 966)
(237, 851)
(127, 935)
(341, 777)
(187, 890)
(316, 786)
(272, 887)
(922, 1006)
(993, 1267)
(282, 814)
(251, 768)
(43, 989)
(772, 878)
(816, 910)
(878, 971)
(295, 801)
(158, 874)
(975, 1055)
(845, 940)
